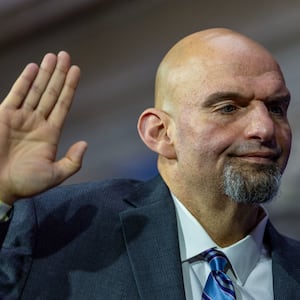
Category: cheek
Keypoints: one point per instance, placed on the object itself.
(285, 141)
(204, 141)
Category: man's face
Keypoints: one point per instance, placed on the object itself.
(231, 127)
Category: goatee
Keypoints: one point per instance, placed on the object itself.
(251, 183)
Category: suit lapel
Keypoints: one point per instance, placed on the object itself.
(285, 264)
(150, 233)
(16, 251)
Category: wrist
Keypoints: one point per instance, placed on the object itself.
(6, 198)
(5, 210)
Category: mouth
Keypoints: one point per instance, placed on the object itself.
(263, 156)
(259, 157)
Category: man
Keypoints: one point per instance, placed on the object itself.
(221, 132)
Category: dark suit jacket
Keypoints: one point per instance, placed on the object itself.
(111, 240)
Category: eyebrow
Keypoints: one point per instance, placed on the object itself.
(281, 98)
(220, 96)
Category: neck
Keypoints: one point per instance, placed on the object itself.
(226, 222)
(229, 224)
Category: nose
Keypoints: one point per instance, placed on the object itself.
(260, 124)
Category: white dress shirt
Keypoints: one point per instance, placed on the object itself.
(251, 263)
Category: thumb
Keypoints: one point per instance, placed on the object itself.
(71, 162)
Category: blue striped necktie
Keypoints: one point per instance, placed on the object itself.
(218, 285)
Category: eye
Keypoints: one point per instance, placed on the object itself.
(277, 109)
(227, 109)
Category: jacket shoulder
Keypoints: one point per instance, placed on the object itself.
(285, 253)
(89, 192)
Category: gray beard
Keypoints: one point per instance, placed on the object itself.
(251, 183)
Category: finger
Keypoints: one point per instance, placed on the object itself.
(71, 163)
(55, 84)
(61, 108)
(41, 81)
(21, 87)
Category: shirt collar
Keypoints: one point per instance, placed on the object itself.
(242, 255)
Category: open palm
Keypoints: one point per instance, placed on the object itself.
(31, 120)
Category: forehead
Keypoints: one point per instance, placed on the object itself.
(258, 81)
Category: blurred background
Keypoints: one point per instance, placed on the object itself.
(118, 44)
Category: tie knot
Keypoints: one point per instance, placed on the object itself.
(217, 260)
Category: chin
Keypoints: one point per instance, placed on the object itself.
(251, 183)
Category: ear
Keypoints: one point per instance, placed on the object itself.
(155, 127)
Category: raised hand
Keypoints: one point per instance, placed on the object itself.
(31, 120)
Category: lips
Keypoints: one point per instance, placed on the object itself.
(264, 155)
(255, 152)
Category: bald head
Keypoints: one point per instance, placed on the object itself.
(221, 100)
(202, 53)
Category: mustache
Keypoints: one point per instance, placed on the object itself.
(256, 149)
